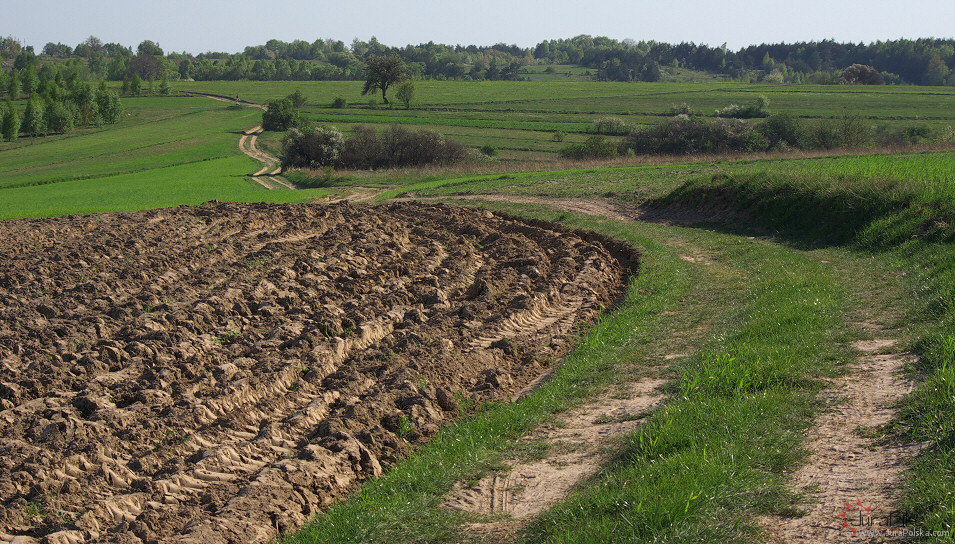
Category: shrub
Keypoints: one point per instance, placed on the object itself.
(110, 106)
(910, 135)
(403, 147)
(280, 114)
(681, 109)
(10, 123)
(855, 131)
(848, 130)
(34, 121)
(398, 146)
(313, 147)
(782, 130)
(405, 93)
(362, 149)
(916, 134)
(488, 150)
(594, 147)
(559, 135)
(948, 135)
(824, 134)
(861, 74)
(757, 109)
(298, 99)
(339, 102)
(59, 118)
(610, 125)
(684, 135)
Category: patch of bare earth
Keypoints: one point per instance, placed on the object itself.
(851, 481)
(222, 373)
(674, 214)
(577, 447)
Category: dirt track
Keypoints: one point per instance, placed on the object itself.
(267, 176)
(221, 373)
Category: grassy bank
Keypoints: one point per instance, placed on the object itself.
(850, 232)
(908, 220)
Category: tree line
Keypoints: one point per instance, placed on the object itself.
(923, 61)
(58, 98)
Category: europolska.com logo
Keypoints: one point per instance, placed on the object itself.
(863, 521)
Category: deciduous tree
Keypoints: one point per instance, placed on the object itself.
(405, 93)
(382, 72)
(146, 66)
(861, 74)
(149, 47)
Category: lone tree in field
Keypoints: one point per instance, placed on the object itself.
(406, 92)
(381, 72)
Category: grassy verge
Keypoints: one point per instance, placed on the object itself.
(704, 467)
(911, 224)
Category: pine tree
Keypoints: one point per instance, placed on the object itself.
(11, 123)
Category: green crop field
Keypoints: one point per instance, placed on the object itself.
(519, 118)
(166, 152)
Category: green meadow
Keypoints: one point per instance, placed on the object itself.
(167, 151)
(518, 118)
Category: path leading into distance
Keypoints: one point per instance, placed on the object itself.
(268, 175)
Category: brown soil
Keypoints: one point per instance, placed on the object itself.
(578, 443)
(221, 373)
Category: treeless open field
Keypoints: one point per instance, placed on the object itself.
(221, 373)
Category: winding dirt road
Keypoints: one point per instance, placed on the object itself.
(268, 175)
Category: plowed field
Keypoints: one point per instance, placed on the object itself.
(221, 373)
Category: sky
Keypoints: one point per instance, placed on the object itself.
(198, 26)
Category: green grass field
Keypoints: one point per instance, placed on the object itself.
(519, 118)
(166, 152)
(797, 249)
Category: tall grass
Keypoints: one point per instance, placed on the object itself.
(902, 209)
(702, 468)
(873, 202)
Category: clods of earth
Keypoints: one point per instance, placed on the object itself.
(223, 373)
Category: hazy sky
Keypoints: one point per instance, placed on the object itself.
(197, 26)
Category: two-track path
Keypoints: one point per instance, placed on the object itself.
(847, 473)
(268, 175)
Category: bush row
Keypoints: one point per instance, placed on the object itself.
(315, 147)
(684, 134)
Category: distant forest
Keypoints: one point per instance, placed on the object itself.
(917, 62)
